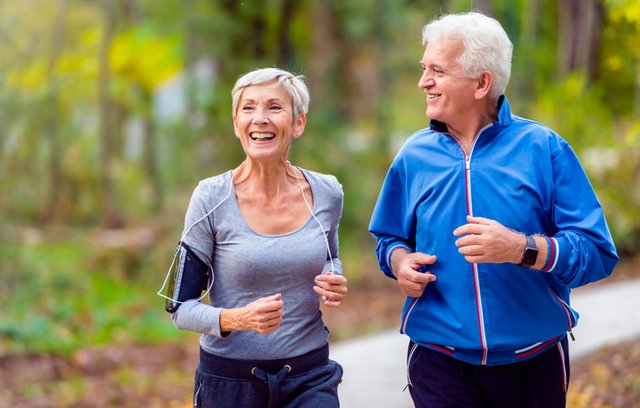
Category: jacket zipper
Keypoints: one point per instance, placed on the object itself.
(414, 347)
(403, 327)
(474, 267)
(571, 317)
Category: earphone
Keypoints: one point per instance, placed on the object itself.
(210, 267)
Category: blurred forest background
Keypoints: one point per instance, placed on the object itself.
(111, 111)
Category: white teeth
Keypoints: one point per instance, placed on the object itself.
(432, 96)
(262, 136)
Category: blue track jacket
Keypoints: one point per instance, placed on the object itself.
(523, 175)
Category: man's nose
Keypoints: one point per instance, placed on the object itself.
(425, 80)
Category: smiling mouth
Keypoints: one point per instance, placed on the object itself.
(262, 136)
(431, 96)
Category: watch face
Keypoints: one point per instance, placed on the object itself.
(529, 257)
(530, 254)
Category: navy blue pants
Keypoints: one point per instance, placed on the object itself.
(310, 380)
(437, 381)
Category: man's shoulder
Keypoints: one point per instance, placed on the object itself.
(536, 131)
(423, 139)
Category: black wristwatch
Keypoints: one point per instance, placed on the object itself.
(530, 254)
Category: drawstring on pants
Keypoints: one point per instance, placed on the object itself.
(273, 381)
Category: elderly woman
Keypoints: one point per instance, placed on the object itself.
(263, 240)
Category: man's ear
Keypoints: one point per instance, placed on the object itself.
(483, 87)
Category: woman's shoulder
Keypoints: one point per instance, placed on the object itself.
(215, 185)
(322, 180)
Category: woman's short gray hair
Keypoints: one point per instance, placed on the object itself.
(486, 45)
(293, 84)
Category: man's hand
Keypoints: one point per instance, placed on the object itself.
(263, 315)
(405, 266)
(487, 241)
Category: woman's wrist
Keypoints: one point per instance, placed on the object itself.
(229, 320)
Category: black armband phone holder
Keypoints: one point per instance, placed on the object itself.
(189, 276)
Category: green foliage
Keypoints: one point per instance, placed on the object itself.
(62, 295)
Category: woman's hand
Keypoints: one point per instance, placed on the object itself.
(332, 287)
(263, 316)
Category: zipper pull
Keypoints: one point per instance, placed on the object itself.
(573, 338)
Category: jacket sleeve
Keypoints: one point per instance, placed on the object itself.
(393, 221)
(582, 249)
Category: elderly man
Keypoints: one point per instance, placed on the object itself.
(486, 220)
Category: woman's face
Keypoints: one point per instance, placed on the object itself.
(264, 121)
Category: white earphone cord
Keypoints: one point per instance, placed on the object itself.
(324, 235)
(166, 279)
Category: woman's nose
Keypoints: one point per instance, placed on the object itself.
(260, 116)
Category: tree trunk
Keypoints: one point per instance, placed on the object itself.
(320, 61)
(580, 36)
(150, 154)
(51, 130)
(531, 21)
(594, 35)
(284, 37)
(110, 216)
(484, 6)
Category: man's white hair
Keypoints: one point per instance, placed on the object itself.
(486, 45)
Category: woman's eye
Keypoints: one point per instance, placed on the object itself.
(275, 107)
(247, 108)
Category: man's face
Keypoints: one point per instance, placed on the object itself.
(450, 94)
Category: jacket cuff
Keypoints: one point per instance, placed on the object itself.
(558, 254)
(387, 271)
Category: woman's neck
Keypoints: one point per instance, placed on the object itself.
(269, 181)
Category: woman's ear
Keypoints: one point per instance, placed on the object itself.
(298, 125)
(235, 127)
(483, 87)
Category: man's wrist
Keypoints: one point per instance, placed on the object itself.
(530, 253)
(394, 251)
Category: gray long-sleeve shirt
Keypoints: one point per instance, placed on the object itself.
(248, 265)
